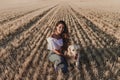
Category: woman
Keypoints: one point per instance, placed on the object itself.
(57, 44)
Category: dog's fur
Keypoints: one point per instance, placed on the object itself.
(73, 54)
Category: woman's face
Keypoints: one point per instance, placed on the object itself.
(60, 28)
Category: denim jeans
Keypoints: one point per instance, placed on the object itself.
(58, 61)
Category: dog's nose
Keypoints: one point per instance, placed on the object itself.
(76, 56)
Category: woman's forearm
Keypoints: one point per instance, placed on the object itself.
(57, 52)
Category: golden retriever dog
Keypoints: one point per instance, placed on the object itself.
(73, 55)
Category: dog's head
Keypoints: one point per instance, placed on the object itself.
(74, 50)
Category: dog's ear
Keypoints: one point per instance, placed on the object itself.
(69, 48)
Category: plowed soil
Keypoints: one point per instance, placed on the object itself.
(23, 45)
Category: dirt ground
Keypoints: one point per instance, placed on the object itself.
(25, 25)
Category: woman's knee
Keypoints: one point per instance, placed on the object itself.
(54, 57)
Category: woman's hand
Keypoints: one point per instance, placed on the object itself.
(62, 54)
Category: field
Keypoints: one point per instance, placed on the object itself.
(23, 45)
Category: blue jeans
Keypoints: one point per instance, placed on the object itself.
(58, 61)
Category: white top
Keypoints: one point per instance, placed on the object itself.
(54, 43)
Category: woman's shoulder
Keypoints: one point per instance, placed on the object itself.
(49, 38)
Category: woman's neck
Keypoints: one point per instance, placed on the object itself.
(56, 35)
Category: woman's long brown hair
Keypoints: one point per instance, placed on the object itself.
(64, 35)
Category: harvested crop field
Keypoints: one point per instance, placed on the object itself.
(23, 45)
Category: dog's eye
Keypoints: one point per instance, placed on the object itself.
(73, 50)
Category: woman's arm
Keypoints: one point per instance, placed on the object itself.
(52, 46)
(57, 52)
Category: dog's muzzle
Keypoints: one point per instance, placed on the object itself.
(76, 56)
